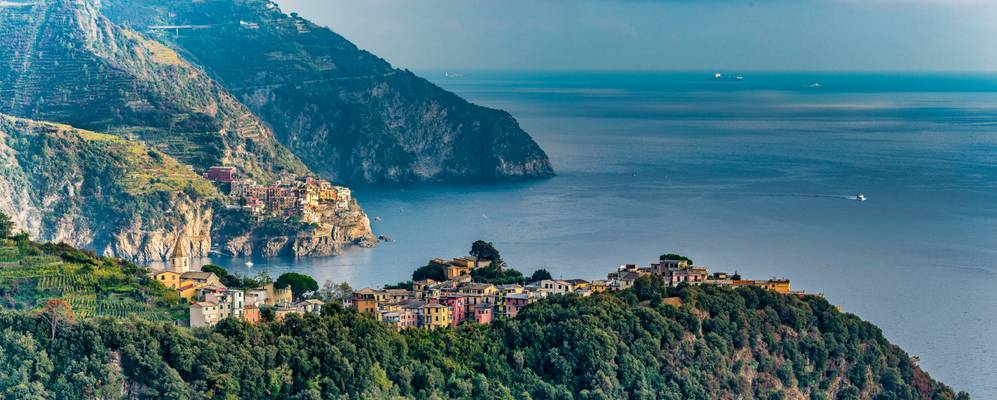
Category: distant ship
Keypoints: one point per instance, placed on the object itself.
(814, 85)
(452, 75)
(721, 77)
(860, 197)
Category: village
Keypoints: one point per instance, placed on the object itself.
(306, 198)
(428, 303)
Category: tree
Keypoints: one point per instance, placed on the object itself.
(57, 312)
(6, 226)
(539, 275)
(675, 257)
(495, 275)
(407, 285)
(299, 283)
(333, 292)
(263, 277)
(431, 271)
(649, 287)
(485, 251)
(229, 280)
(220, 272)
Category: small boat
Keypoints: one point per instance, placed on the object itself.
(721, 77)
(860, 197)
(378, 219)
(249, 264)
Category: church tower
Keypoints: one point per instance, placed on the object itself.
(180, 260)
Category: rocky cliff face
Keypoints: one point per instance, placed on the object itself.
(115, 196)
(63, 61)
(348, 114)
(350, 227)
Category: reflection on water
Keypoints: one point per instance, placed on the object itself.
(757, 177)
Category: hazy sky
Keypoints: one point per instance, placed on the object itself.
(668, 34)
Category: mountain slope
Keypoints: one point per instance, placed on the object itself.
(347, 113)
(720, 344)
(63, 61)
(101, 192)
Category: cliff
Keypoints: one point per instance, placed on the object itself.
(349, 227)
(116, 196)
(64, 61)
(346, 113)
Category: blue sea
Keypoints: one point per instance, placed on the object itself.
(756, 176)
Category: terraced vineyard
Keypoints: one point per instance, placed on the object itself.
(91, 290)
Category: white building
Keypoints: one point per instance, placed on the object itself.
(556, 286)
(204, 313)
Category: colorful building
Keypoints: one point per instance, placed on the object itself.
(435, 315)
(221, 174)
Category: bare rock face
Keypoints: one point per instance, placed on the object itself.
(189, 224)
(137, 192)
(115, 196)
(350, 227)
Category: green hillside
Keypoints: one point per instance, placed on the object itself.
(63, 61)
(347, 113)
(32, 274)
(719, 344)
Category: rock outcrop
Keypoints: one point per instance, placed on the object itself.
(346, 113)
(116, 196)
(64, 61)
(350, 227)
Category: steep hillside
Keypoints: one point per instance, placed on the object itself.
(34, 275)
(102, 192)
(720, 344)
(62, 61)
(347, 113)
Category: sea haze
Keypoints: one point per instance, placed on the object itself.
(755, 176)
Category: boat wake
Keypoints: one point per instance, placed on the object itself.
(858, 197)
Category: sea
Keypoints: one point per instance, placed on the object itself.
(758, 176)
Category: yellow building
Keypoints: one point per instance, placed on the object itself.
(187, 291)
(454, 271)
(170, 279)
(436, 316)
(776, 285)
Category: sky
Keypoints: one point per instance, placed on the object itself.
(740, 35)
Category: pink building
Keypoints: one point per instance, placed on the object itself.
(458, 307)
(483, 313)
(221, 174)
(512, 303)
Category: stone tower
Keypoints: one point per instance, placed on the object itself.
(180, 260)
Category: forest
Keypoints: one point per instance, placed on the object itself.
(717, 343)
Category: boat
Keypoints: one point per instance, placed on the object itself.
(860, 197)
(249, 264)
(721, 77)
